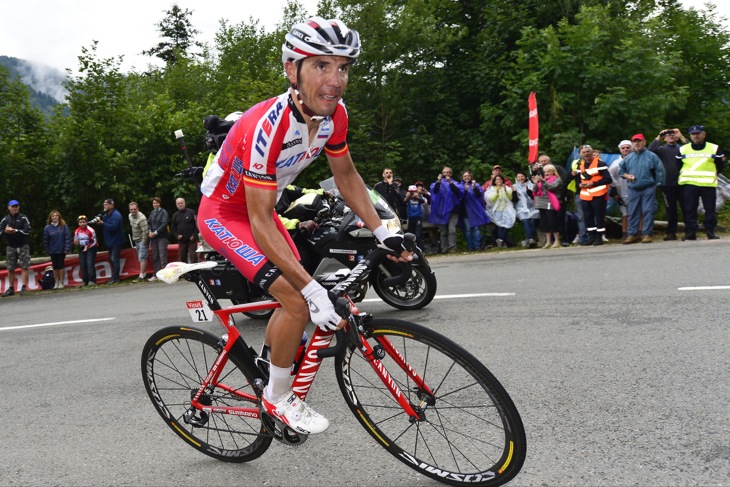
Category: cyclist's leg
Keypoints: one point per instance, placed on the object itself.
(228, 231)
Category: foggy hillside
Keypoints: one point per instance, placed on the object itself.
(44, 82)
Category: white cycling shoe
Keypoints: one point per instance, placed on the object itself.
(295, 413)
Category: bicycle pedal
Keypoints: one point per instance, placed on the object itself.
(281, 432)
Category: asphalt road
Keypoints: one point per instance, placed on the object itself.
(620, 373)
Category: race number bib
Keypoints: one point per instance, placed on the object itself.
(199, 311)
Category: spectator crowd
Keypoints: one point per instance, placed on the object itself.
(683, 171)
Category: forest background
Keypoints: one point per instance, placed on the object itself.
(439, 82)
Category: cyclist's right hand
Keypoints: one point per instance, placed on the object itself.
(321, 306)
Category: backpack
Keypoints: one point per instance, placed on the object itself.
(48, 281)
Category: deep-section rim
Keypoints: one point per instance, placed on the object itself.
(381, 422)
(223, 426)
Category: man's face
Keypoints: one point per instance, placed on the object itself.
(321, 80)
(587, 153)
(544, 160)
(625, 150)
(133, 210)
(638, 144)
(387, 174)
(446, 172)
(180, 203)
(671, 138)
(698, 137)
(14, 209)
(108, 206)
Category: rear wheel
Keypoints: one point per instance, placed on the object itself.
(175, 362)
(468, 430)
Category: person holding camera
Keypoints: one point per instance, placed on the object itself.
(644, 171)
(473, 212)
(414, 202)
(388, 189)
(113, 231)
(546, 194)
(446, 196)
(157, 233)
(671, 190)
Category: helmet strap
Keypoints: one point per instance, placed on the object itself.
(307, 111)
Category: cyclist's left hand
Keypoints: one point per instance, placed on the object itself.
(399, 245)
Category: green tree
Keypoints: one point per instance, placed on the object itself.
(178, 33)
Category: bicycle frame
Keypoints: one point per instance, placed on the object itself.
(317, 349)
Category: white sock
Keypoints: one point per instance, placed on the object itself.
(279, 382)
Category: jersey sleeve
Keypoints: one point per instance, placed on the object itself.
(337, 144)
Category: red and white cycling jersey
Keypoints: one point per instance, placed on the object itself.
(268, 147)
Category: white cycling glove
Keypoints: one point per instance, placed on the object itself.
(390, 241)
(321, 307)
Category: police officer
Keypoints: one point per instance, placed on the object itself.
(701, 163)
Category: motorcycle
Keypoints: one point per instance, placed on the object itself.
(341, 240)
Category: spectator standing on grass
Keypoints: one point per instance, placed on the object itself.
(644, 172)
(157, 232)
(57, 243)
(85, 239)
(16, 227)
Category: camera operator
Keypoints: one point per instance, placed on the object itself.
(671, 190)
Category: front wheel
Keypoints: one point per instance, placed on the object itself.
(175, 362)
(468, 431)
(416, 293)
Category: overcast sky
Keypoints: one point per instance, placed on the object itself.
(52, 32)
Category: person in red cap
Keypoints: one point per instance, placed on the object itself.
(701, 161)
(644, 172)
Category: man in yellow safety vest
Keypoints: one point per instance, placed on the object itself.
(701, 163)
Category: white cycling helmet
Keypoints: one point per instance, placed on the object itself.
(320, 37)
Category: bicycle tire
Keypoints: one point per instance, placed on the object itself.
(175, 361)
(416, 293)
(472, 434)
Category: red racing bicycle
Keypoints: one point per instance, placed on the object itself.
(422, 397)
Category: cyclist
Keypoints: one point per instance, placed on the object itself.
(263, 153)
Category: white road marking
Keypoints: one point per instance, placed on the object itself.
(451, 296)
(56, 323)
(702, 288)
